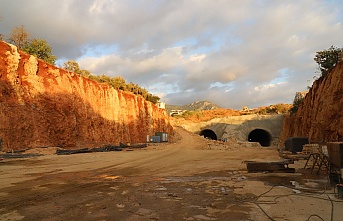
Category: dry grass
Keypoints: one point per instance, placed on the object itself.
(206, 115)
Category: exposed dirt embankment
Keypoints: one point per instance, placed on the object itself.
(320, 116)
(42, 105)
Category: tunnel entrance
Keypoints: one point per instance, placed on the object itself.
(209, 134)
(261, 136)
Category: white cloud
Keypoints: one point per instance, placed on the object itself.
(228, 52)
(264, 87)
(197, 57)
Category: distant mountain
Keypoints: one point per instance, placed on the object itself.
(198, 105)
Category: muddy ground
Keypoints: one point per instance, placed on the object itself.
(185, 180)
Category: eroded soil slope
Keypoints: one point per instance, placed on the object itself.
(319, 116)
(42, 105)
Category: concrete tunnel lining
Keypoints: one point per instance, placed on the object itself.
(261, 136)
(209, 134)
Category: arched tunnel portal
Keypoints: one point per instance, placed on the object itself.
(209, 134)
(261, 136)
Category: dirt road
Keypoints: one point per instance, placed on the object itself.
(179, 181)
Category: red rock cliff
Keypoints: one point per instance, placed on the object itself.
(320, 115)
(42, 105)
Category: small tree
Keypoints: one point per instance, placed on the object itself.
(118, 83)
(85, 73)
(152, 98)
(40, 49)
(296, 104)
(72, 66)
(328, 59)
(37, 47)
(104, 79)
(19, 37)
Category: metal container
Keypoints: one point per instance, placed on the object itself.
(295, 144)
(335, 150)
(163, 136)
(340, 191)
(156, 139)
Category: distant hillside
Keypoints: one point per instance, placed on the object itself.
(198, 105)
(201, 111)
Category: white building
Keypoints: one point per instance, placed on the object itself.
(161, 105)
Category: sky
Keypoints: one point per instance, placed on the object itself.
(232, 53)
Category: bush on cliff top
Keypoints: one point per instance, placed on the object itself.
(116, 82)
(36, 47)
(328, 59)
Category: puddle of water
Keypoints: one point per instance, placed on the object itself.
(161, 189)
(201, 179)
(108, 177)
(197, 207)
(202, 217)
(13, 215)
(298, 182)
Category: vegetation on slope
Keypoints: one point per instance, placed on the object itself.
(274, 109)
(200, 115)
(42, 50)
(36, 47)
(326, 59)
(206, 115)
(116, 82)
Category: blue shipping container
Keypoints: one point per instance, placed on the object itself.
(156, 139)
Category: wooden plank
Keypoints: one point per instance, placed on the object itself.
(279, 166)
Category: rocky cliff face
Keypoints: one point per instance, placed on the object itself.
(320, 115)
(42, 105)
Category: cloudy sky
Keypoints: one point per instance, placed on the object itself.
(232, 53)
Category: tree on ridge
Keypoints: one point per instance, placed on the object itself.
(328, 59)
(19, 37)
(40, 49)
(36, 47)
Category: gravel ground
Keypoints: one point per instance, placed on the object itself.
(188, 179)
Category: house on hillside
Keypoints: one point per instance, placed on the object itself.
(161, 105)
